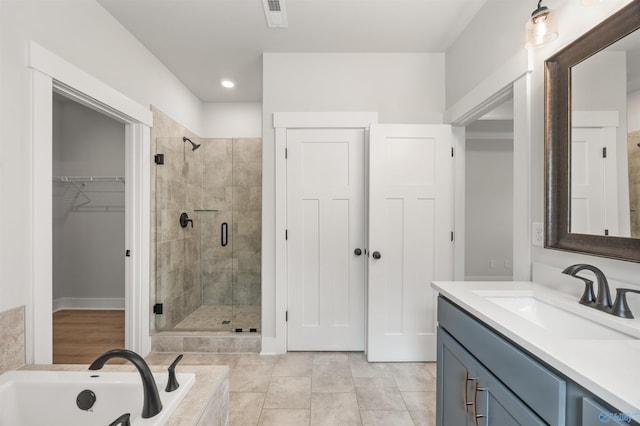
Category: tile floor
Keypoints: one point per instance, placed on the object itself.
(322, 388)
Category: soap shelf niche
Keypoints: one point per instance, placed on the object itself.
(90, 193)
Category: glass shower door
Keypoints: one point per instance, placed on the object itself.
(208, 272)
(247, 233)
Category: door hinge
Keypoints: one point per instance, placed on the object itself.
(158, 158)
(286, 316)
(157, 309)
(286, 234)
(127, 253)
(286, 153)
(606, 232)
(451, 235)
(604, 152)
(452, 151)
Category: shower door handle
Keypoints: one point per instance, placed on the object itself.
(224, 234)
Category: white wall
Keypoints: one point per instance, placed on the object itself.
(489, 209)
(495, 35)
(402, 88)
(573, 20)
(231, 120)
(84, 34)
(88, 245)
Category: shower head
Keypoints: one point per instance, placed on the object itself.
(193, 145)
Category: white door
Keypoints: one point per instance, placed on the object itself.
(325, 225)
(410, 225)
(588, 181)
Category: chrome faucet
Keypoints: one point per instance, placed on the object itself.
(602, 301)
(152, 404)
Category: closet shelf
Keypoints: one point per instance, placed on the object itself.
(90, 193)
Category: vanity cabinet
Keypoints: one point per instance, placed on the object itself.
(486, 380)
(470, 391)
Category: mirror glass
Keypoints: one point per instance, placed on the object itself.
(605, 141)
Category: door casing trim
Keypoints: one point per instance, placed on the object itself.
(50, 73)
(281, 122)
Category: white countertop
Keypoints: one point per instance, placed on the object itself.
(608, 368)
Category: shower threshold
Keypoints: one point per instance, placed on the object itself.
(190, 341)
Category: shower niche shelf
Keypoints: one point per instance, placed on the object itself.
(90, 193)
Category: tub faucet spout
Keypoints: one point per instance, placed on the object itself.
(152, 404)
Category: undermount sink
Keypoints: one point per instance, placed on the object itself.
(557, 321)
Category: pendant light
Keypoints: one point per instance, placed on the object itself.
(541, 28)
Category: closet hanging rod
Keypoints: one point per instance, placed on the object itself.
(89, 178)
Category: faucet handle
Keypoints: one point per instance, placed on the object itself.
(172, 382)
(620, 307)
(588, 297)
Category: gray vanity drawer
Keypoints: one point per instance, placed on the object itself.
(543, 391)
(594, 414)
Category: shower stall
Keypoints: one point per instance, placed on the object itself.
(208, 202)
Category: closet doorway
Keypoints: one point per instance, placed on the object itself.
(489, 196)
(88, 232)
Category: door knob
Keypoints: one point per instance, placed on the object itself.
(376, 255)
(357, 252)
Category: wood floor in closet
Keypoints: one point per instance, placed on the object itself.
(80, 336)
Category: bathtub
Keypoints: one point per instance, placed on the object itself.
(34, 398)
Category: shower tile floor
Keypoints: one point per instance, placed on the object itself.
(209, 317)
(322, 388)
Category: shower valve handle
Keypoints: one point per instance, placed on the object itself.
(184, 220)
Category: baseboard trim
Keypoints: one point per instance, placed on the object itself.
(269, 346)
(89, 303)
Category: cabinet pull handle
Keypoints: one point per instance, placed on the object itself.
(476, 416)
(467, 379)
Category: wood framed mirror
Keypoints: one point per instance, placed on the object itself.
(583, 223)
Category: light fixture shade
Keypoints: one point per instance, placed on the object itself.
(541, 28)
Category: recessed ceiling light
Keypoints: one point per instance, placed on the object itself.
(227, 83)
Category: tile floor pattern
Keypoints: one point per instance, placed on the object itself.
(323, 388)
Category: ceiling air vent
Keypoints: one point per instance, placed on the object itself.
(276, 13)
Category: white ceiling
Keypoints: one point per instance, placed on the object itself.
(204, 41)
